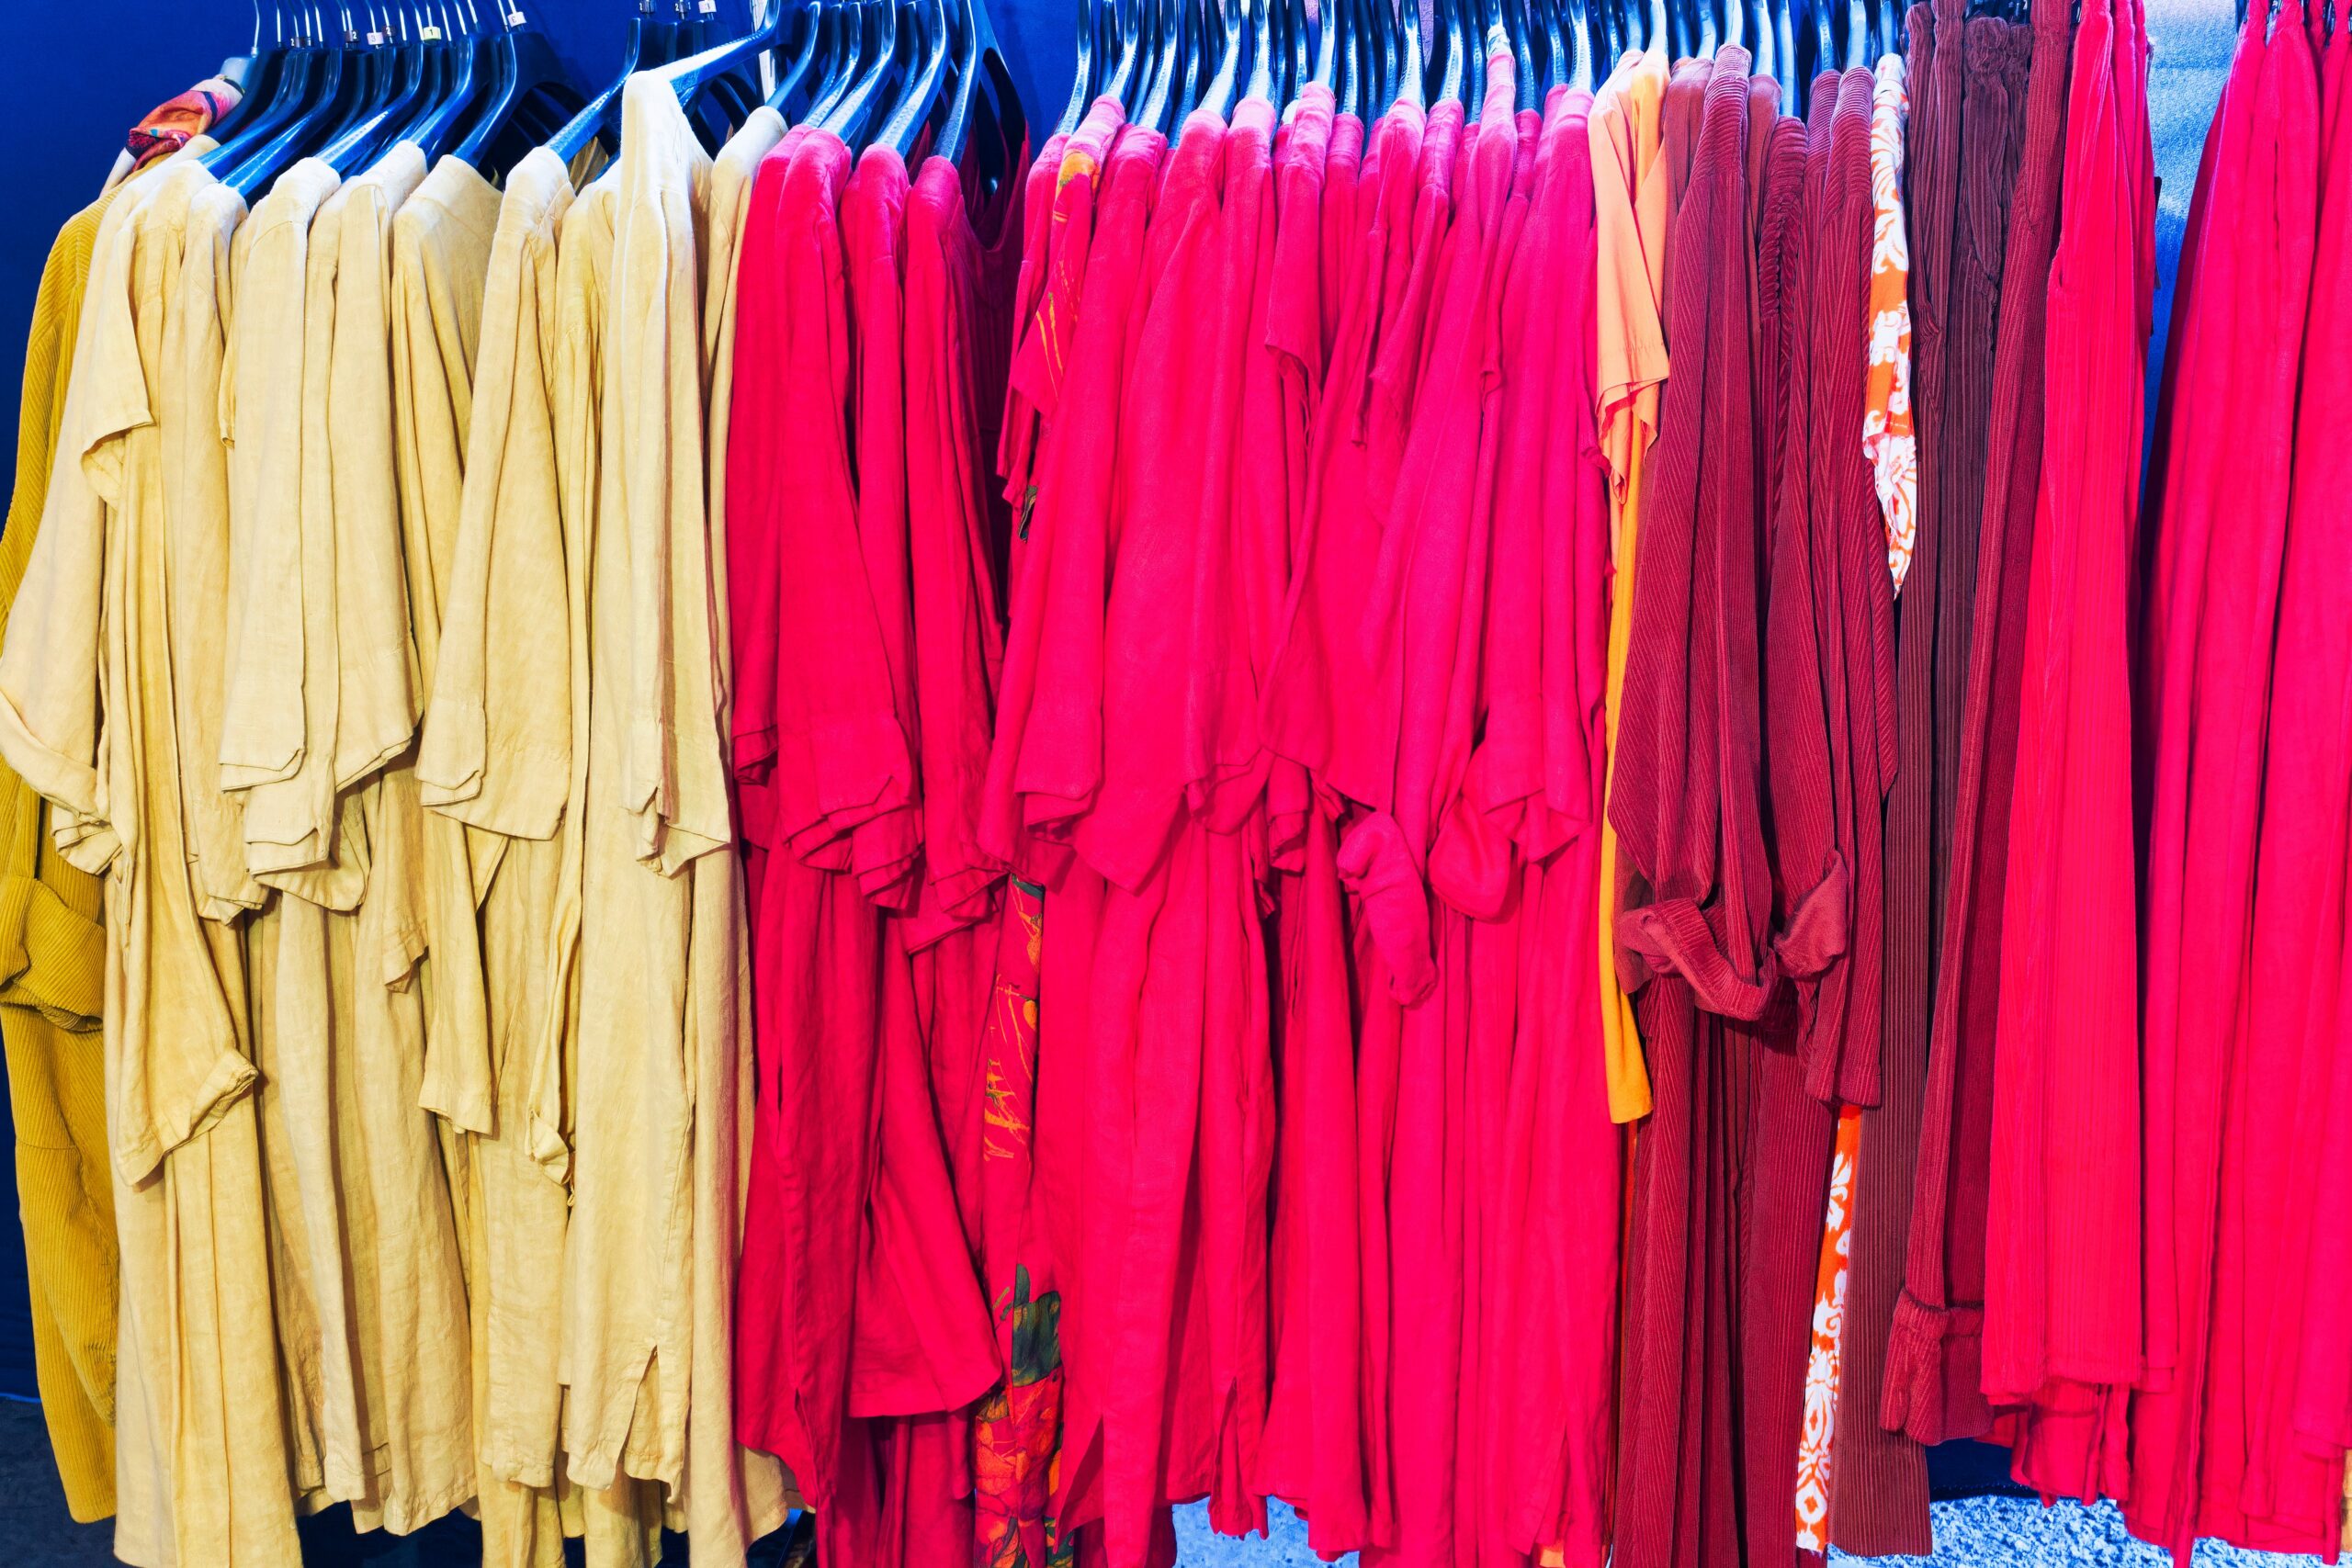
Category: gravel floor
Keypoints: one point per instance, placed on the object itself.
(1971, 1532)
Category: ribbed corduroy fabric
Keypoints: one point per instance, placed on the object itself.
(1931, 1389)
(2063, 1302)
(1687, 808)
(1878, 1492)
(52, 961)
(1817, 218)
(2208, 629)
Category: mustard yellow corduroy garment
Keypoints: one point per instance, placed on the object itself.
(53, 965)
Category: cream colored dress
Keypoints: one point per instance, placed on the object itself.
(627, 1326)
(113, 648)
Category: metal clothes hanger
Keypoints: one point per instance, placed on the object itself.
(736, 93)
(469, 66)
(955, 129)
(582, 128)
(1081, 80)
(852, 45)
(327, 96)
(867, 87)
(905, 119)
(361, 142)
(286, 91)
(1404, 58)
(527, 77)
(256, 75)
(1457, 50)
(1160, 52)
(1225, 86)
(1527, 88)
(804, 25)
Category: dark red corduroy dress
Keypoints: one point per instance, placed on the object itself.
(1815, 621)
(1687, 807)
(1972, 112)
(1935, 1357)
(1877, 1496)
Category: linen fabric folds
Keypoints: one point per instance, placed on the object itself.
(330, 475)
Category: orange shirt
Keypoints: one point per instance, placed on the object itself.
(1630, 195)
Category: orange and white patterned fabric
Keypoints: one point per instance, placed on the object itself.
(171, 125)
(1813, 1443)
(1887, 410)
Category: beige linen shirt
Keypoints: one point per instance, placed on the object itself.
(441, 240)
(87, 714)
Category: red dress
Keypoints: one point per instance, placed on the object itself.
(1057, 604)
(1814, 200)
(2063, 1308)
(2319, 1410)
(2210, 627)
(751, 583)
(1549, 1158)
(814, 1124)
(1341, 1128)
(1687, 807)
(1935, 1358)
(2263, 1483)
